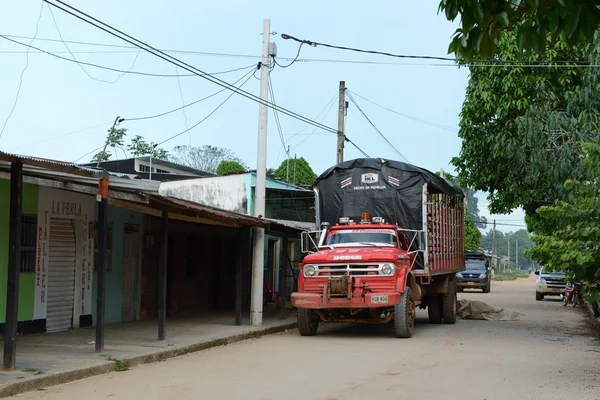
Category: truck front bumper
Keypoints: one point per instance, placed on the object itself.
(368, 300)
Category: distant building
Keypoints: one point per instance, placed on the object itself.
(143, 167)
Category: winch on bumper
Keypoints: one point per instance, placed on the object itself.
(346, 292)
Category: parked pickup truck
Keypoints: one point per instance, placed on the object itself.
(392, 240)
(477, 273)
(549, 283)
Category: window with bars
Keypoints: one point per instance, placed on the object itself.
(28, 242)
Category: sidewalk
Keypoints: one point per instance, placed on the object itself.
(48, 359)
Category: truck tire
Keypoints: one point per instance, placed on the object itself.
(404, 315)
(449, 303)
(308, 323)
(434, 309)
(539, 296)
(487, 288)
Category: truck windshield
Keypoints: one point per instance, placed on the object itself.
(363, 237)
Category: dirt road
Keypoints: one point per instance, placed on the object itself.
(549, 353)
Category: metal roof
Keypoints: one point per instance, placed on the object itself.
(53, 165)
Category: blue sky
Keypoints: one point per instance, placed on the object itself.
(58, 98)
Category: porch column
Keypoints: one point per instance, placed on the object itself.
(14, 264)
(101, 267)
(162, 279)
(240, 264)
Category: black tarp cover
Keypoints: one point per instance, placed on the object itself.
(385, 188)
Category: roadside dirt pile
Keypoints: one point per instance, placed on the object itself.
(478, 310)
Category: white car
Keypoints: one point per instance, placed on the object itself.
(549, 283)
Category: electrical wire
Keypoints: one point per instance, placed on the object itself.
(481, 63)
(87, 154)
(183, 103)
(186, 105)
(29, 46)
(140, 44)
(205, 118)
(376, 129)
(37, 25)
(433, 124)
(330, 104)
(65, 134)
(81, 66)
(277, 122)
(419, 57)
(293, 61)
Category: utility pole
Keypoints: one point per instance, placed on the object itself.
(508, 250)
(517, 252)
(287, 172)
(340, 132)
(494, 248)
(256, 300)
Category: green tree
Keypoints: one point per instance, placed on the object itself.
(115, 139)
(520, 240)
(570, 240)
(204, 158)
(230, 167)
(297, 172)
(472, 202)
(529, 24)
(512, 149)
(472, 235)
(139, 147)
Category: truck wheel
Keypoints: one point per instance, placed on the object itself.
(539, 296)
(449, 307)
(434, 309)
(404, 316)
(308, 322)
(487, 288)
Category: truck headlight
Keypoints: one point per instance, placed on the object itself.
(459, 275)
(541, 281)
(483, 276)
(387, 269)
(310, 270)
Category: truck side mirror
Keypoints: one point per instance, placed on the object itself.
(537, 272)
(308, 243)
(422, 238)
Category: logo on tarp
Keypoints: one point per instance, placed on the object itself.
(346, 182)
(369, 178)
(394, 181)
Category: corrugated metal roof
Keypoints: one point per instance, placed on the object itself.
(301, 226)
(210, 212)
(51, 164)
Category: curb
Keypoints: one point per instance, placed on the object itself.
(70, 376)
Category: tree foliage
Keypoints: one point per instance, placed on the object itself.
(520, 240)
(487, 24)
(204, 158)
(472, 234)
(472, 202)
(230, 167)
(297, 172)
(139, 147)
(519, 143)
(569, 236)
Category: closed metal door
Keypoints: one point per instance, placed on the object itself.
(61, 276)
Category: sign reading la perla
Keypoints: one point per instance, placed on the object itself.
(79, 209)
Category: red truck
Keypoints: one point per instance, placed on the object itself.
(391, 240)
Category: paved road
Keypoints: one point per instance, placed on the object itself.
(549, 353)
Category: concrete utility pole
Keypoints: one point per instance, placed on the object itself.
(508, 250)
(517, 253)
(494, 249)
(340, 133)
(256, 300)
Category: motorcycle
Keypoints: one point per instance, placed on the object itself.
(572, 295)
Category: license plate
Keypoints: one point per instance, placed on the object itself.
(471, 283)
(379, 299)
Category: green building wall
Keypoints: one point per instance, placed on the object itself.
(26, 280)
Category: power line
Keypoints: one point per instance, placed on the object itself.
(330, 104)
(293, 61)
(81, 66)
(433, 124)
(65, 134)
(277, 122)
(420, 57)
(377, 130)
(129, 39)
(186, 105)
(37, 24)
(29, 46)
(490, 63)
(87, 154)
(211, 113)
